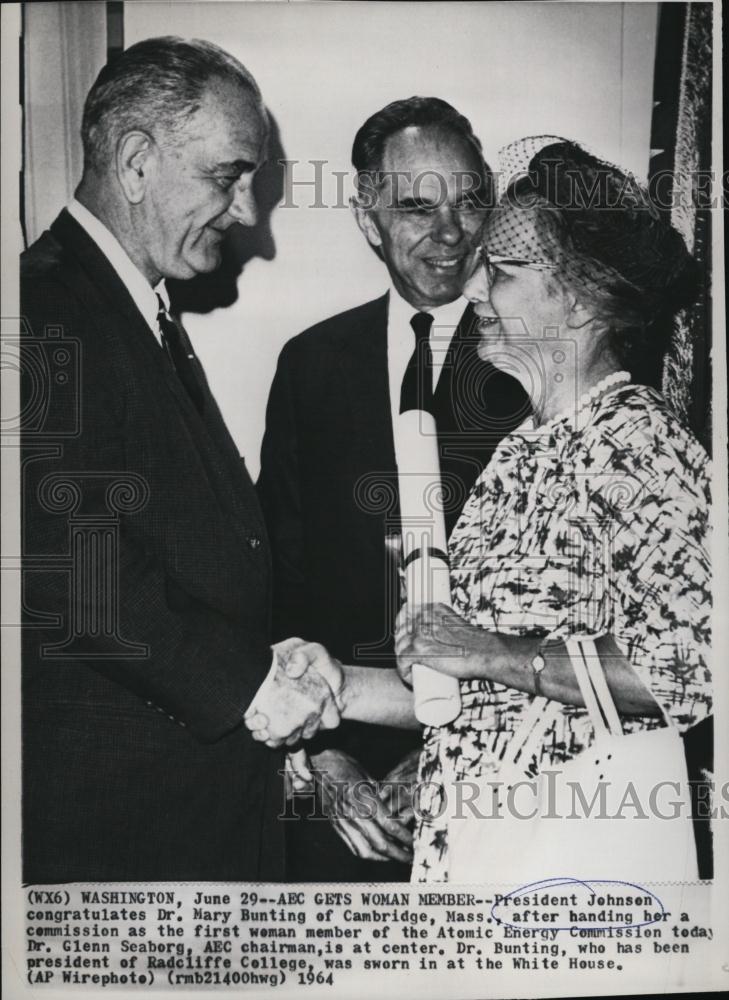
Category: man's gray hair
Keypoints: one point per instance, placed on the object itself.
(154, 86)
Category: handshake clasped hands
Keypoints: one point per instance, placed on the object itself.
(308, 690)
(303, 693)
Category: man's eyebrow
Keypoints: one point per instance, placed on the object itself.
(414, 203)
(236, 166)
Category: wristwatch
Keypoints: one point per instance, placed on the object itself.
(538, 665)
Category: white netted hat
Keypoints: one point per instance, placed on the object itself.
(515, 157)
(592, 224)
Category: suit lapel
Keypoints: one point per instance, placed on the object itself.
(108, 285)
(365, 374)
(220, 449)
(460, 350)
(104, 279)
(363, 364)
(208, 434)
(218, 452)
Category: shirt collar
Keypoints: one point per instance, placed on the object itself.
(142, 293)
(445, 318)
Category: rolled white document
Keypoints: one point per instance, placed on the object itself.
(424, 551)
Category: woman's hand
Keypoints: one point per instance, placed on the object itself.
(437, 637)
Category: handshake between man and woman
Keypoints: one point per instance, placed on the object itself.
(307, 689)
(303, 693)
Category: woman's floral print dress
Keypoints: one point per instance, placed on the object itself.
(591, 525)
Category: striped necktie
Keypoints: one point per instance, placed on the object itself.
(181, 360)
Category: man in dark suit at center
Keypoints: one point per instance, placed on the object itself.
(328, 481)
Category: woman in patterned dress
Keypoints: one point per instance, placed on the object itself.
(591, 518)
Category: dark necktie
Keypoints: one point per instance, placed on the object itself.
(172, 343)
(417, 384)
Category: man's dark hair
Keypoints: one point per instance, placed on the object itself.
(432, 112)
(155, 86)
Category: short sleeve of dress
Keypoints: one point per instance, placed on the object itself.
(652, 501)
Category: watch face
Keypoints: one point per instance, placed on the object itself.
(538, 663)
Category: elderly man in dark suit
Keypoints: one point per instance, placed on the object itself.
(147, 566)
(328, 481)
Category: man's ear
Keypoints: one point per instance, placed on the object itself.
(366, 222)
(134, 159)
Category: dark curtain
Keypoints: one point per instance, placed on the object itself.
(679, 174)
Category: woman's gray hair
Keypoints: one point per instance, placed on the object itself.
(155, 86)
(604, 238)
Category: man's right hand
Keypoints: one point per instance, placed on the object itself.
(302, 694)
(360, 817)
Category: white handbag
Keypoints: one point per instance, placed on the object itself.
(638, 830)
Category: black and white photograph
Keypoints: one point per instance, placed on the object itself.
(364, 499)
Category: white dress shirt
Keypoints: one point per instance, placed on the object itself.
(401, 340)
(142, 293)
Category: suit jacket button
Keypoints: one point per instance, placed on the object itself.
(254, 541)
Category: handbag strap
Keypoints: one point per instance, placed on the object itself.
(521, 734)
(595, 692)
(589, 672)
(600, 686)
(533, 745)
(540, 707)
(576, 650)
(524, 741)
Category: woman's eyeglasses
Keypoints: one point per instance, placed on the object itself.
(492, 260)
